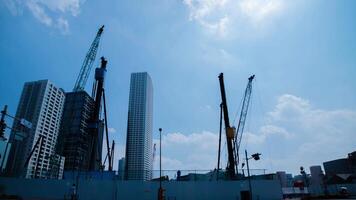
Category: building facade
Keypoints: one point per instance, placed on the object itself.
(74, 135)
(316, 175)
(341, 166)
(138, 157)
(121, 169)
(41, 103)
(282, 177)
(341, 170)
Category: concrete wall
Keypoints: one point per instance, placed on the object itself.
(333, 189)
(110, 189)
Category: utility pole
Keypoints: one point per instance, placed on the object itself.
(3, 124)
(249, 178)
(255, 156)
(160, 190)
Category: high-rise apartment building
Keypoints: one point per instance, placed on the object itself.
(74, 135)
(41, 103)
(138, 159)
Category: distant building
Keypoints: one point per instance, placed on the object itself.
(139, 128)
(341, 166)
(282, 177)
(289, 180)
(74, 135)
(341, 170)
(121, 168)
(316, 175)
(41, 104)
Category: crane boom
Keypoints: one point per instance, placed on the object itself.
(230, 132)
(88, 62)
(242, 120)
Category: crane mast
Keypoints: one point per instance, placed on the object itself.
(88, 62)
(95, 157)
(242, 120)
(230, 131)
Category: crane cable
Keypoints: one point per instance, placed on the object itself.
(268, 146)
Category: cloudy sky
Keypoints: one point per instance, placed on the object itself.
(303, 53)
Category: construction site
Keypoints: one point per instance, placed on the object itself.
(60, 148)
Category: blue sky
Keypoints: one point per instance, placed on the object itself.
(303, 53)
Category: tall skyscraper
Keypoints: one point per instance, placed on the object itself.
(41, 104)
(138, 159)
(74, 135)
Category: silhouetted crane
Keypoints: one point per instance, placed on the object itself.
(88, 62)
(242, 120)
(233, 137)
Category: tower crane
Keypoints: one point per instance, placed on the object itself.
(88, 62)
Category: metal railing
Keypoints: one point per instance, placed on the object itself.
(167, 175)
(201, 175)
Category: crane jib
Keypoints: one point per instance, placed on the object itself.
(88, 62)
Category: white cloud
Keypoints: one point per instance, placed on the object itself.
(170, 163)
(188, 151)
(258, 10)
(290, 106)
(39, 13)
(318, 134)
(205, 13)
(71, 6)
(49, 12)
(315, 123)
(218, 28)
(226, 17)
(266, 132)
(296, 134)
(111, 130)
(219, 57)
(203, 8)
